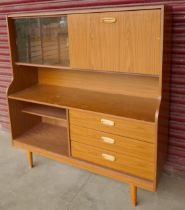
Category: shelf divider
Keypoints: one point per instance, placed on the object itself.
(46, 111)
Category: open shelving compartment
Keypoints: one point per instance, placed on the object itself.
(89, 90)
(46, 127)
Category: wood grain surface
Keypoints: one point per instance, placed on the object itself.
(122, 162)
(123, 145)
(131, 44)
(135, 129)
(114, 104)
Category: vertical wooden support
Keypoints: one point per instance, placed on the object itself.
(30, 159)
(133, 193)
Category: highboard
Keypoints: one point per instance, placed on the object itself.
(90, 88)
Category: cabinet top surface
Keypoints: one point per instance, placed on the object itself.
(86, 10)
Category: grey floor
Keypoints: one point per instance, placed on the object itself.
(54, 186)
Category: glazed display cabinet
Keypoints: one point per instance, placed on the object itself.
(90, 88)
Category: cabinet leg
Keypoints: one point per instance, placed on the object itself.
(133, 193)
(30, 159)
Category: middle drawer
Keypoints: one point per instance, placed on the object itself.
(111, 142)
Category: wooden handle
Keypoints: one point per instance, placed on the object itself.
(107, 140)
(108, 20)
(108, 157)
(107, 122)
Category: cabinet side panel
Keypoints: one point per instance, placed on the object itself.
(163, 118)
(23, 77)
(20, 122)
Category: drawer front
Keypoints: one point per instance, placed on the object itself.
(121, 126)
(134, 148)
(120, 162)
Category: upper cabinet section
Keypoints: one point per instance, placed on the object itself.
(42, 40)
(128, 41)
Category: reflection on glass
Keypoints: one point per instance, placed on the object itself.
(54, 40)
(35, 45)
(21, 29)
(42, 40)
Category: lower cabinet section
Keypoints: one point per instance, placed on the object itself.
(117, 161)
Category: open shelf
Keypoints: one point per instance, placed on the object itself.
(48, 137)
(114, 104)
(60, 67)
(42, 65)
(46, 111)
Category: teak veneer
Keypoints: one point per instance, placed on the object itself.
(90, 88)
(46, 111)
(64, 97)
(41, 136)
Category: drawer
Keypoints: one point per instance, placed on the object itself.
(111, 142)
(120, 162)
(121, 126)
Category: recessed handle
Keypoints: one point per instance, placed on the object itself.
(108, 140)
(108, 157)
(107, 122)
(108, 20)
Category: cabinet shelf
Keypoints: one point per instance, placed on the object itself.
(85, 69)
(42, 65)
(46, 111)
(48, 137)
(114, 104)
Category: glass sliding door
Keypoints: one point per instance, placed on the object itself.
(42, 40)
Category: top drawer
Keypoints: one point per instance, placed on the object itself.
(121, 126)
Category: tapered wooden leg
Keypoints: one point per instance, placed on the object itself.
(133, 193)
(30, 159)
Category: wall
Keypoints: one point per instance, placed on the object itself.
(176, 152)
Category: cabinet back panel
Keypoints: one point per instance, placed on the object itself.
(133, 85)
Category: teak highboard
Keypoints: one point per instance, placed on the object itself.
(90, 88)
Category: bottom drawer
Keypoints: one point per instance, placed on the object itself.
(120, 162)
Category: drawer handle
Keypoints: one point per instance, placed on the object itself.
(108, 20)
(108, 157)
(108, 140)
(107, 122)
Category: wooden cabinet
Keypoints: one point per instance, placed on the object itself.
(116, 41)
(88, 90)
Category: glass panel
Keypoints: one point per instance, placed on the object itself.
(35, 45)
(28, 40)
(42, 40)
(55, 40)
(22, 40)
